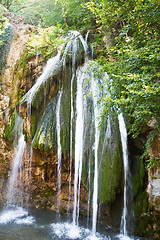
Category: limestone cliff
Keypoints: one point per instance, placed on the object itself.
(17, 46)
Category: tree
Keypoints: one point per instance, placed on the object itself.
(134, 88)
(69, 13)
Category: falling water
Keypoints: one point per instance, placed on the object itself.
(89, 187)
(123, 133)
(97, 135)
(58, 127)
(17, 161)
(71, 139)
(74, 50)
(52, 67)
(78, 145)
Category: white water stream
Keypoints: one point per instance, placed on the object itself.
(94, 87)
(13, 185)
(123, 133)
(79, 129)
(58, 127)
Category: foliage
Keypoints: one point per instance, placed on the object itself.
(46, 41)
(48, 13)
(6, 34)
(134, 72)
(3, 25)
(6, 3)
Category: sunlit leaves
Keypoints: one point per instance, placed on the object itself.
(46, 41)
(135, 73)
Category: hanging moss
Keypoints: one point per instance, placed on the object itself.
(45, 136)
(19, 94)
(105, 189)
(117, 173)
(65, 114)
(141, 205)
(140, 195)
(111, 176)
(9, 130)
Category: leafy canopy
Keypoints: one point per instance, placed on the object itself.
(69, 13)
(134, 87)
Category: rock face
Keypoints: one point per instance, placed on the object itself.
(17, 46)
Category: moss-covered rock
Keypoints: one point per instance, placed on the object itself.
(111, 171)
(45, 136)
(9, 129)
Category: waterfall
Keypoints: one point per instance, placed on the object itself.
(89, 186)
(94, 87)
(78, 146)
(13, 186)
(71, 139)
(74, 50)
(123, 133)
(52, 68)
(58, 127)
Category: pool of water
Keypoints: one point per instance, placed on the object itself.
(17, 223)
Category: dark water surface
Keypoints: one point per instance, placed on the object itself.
(17, 223)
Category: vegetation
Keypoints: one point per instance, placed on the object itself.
(134, 72)
(49, 13)
(6, 33)
(46, 42)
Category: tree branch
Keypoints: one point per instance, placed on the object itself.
(27, 6)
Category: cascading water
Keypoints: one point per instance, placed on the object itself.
(78, 146)
(89, 193)
(13, 185)
(71, 140)
(12, 211)
(123, 133)
(58, 126)
(96, 144)
(52, 67)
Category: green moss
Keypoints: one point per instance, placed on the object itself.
(19, 94)
(65, 115)
(141, 205)
(135, 185)
(143, 226)
(106, 181)
(142, 172)
(117, 173)
(9, 130)
(2, 173)
(111, 176)
(33, 124)
(45, 136)
(140, 195)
